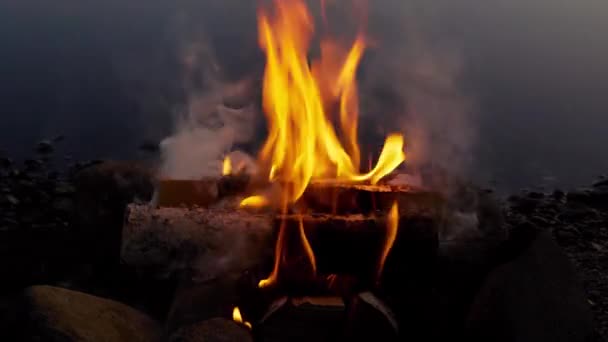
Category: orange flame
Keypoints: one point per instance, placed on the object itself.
(272, 278)
(278, 252)
(254, 202)
(300, 100)
(227, 166)
(236, 316)
(302, 143)
(392, 224)
(309, 253)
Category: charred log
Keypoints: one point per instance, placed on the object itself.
(332, 198)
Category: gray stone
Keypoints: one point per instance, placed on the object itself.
(44, 147)
(213, 330)
(535, 297)
(58, 314)
(196, 302)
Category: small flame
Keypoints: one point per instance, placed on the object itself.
(392, 224)
(254, 202)
(236, 316)
(227, 166)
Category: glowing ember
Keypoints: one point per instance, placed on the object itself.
(236, 316)
(392, 224)
(254, 202)
(227, 166)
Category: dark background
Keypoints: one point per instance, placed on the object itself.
(106, 75)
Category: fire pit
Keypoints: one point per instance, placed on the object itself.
(332, 265)
(339, 233)
(310, 246)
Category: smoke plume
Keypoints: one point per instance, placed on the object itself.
(206, 128)
(412, 81)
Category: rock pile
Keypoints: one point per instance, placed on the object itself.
(62, 226)
(578, 220)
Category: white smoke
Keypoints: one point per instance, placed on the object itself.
(206, 130)
(422, 74)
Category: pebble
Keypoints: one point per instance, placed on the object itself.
(558, 195)
(597, 246)
(44, 147)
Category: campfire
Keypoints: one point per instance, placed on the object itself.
(302, 101)
(347, 237)
(310, 237)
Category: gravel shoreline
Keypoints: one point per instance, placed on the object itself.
(42, 239)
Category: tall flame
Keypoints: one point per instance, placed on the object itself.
(392, 225)
(303, 102)
(299, 100)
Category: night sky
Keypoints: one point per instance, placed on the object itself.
(106, 74)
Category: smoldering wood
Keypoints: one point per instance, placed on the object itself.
(203, 242)
(202, 193)
(176, 193)
(319, 197)
(339, 198)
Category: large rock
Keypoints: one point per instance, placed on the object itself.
(535, 297)
(213, 330)
(57, 314)
(196, 302)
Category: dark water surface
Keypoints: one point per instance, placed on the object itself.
(106, 75)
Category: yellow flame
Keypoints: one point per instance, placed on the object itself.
(307, 248)
(272, 278)
(278, 252)
(236, 316)
(227, 166)
(254, 202)
(303, 102)
(392, 225)
(298, 97)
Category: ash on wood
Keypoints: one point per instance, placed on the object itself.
(336, 198)
(202, 242)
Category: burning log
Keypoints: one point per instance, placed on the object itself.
(201, 241)
(365, 199)
(202, 193)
